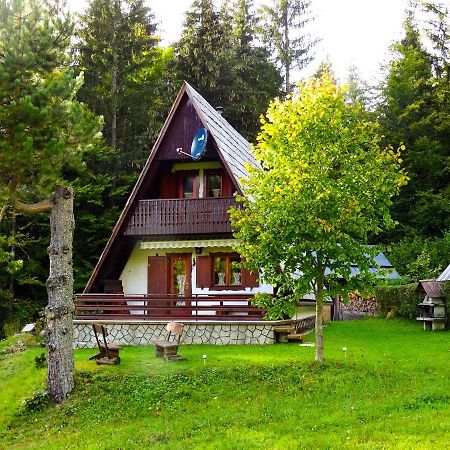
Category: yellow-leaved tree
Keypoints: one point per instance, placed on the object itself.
(324, 189)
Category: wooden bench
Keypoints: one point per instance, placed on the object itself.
(295, 331)
(108, 352)
(282, 332)
(168, 349)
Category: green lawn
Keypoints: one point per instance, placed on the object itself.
(392, 391)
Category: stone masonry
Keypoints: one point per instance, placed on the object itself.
(143, 333)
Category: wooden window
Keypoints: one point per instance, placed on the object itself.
(217, 184)
(186, 184)
(213, 184)
(221, 271)
(225, 272)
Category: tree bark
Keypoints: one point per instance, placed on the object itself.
(114, 70)
(60, 308)
(319, 329)
(3, 211)
(114, 102)
(319, 309)
(287, 62)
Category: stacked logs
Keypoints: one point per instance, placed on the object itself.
(358, 304)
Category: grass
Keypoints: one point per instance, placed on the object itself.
(392, 391)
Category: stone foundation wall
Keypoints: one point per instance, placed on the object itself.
(143, 333)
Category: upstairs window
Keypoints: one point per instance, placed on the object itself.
(187, 184)
(214, 185)
(188, 187)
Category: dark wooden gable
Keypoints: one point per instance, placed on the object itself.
(178, 131)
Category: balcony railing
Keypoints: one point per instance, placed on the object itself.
(181, 216)
(145, 307)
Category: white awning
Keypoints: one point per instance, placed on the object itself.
(188, 244)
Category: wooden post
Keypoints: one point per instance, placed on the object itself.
(60, 308)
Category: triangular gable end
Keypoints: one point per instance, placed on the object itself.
(224, 141)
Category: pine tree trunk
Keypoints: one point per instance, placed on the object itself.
(59, 311)
(114, 102)
(287, 57)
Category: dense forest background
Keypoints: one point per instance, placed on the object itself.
(239, 58)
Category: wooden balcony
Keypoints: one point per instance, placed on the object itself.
(158, 307)
(181, 216)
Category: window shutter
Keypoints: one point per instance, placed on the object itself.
(157, 275)
(203, 271)
(250, 279)
(227, 186)
(169, 186)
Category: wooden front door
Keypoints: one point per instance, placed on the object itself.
(180, 281)
(158, 286)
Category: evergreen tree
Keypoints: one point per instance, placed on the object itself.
(358, 90)
(44, 130)
(284, 30)
(256, 81)
(415, 112)
(217, 54)
(126, 77)
(203, 52)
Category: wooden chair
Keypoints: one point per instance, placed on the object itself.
(168, 349)
(108, 352)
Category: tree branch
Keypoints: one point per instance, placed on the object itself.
(3, 211)
(26, 208)
(33, 208)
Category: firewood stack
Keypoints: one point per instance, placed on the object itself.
(359, 305)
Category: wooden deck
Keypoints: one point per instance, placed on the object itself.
(180, 216)
(154, 307)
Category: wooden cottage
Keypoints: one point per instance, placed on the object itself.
(172, 253)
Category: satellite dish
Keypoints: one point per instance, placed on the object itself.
(198, 146)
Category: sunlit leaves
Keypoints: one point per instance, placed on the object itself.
(326, 185)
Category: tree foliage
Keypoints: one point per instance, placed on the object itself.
(44, 131)
(415, 111)
(43, 128)
(126, 76)
(324, 188)
(218, 55)
(284, 30)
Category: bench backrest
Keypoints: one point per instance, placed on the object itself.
(176, 329)
(101, 332)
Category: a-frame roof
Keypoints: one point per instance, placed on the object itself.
(233, 148)
(234, 151)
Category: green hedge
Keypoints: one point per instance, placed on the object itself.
(401, 299)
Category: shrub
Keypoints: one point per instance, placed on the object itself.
(402, 300)
(40, 361)
(39, 400)
(419, 258)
